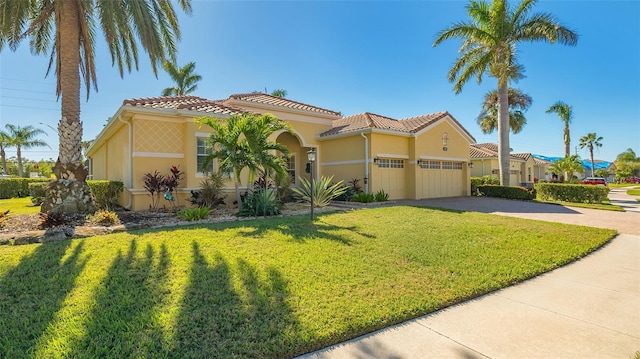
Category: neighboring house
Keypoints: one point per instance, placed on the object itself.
(586, 165)
(524, 168)
(419, 157)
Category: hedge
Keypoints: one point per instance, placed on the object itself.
(576, 193)
(507, 192)
(17, 187)
(479, 181)
(105, 192)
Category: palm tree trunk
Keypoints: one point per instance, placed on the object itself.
(238, 197)
(70, 194)
(70, 127)
(504, 151)
(567, 141)
(3, 156)
(19, 155)
(592, 163)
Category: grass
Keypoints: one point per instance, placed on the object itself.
(605, 205)
(633, 192)
(271, 288)
(18, 206)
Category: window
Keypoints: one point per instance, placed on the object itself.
(388, 163)
(447, 165)
(457, 165)
(201, 154)
(291, 167)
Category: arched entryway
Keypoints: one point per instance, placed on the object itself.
(297, 161)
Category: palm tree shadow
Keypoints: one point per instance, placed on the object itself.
(228, 313)
(123, 316)
(43, 275)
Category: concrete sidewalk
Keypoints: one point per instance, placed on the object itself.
(587, 309)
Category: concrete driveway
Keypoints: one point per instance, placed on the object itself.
(587, 309)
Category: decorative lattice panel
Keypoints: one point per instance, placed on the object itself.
(156, 136)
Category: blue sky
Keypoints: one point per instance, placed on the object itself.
(362, 56)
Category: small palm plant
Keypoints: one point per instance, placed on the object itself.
(324, 190)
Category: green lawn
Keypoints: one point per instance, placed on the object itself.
(18, 206)
(270, 288)
(633, 192)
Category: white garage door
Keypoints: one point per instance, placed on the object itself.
(442, 179)
(392, 177)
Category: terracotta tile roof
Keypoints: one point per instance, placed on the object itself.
(371, 120)
(492, 147)
(478, 152)
(541, 162)
(192, 103)
(490, 150)
(265, 99)
(523, 156)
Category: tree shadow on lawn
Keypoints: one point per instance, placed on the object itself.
(250, 320)
(32, 293)
(124, 322)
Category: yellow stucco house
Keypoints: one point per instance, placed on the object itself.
(420, 157)
(524, 168)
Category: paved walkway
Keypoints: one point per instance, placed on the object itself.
(587, 309)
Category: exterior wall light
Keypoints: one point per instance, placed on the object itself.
(445, 140)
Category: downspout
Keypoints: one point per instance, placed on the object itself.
(129, 182)
(366, 162)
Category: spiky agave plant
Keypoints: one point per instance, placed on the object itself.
(324, 190)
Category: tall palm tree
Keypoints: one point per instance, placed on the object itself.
(565, 112)
(590, 141)
(519, 103)
(184, 78)
(66, 29)
(24, 137)
(4, 143)
(489, 46)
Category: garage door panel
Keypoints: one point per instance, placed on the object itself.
(443, 180)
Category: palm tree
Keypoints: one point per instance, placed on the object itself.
(589, 141)
(627, 164)
(185, 79)
(565, 112)
(489, 46)
(282, 93)
(65, 29)
(242, 142)
(519, 103)
(568, 166)
(267, 154)
(4, 143)
(24, 137)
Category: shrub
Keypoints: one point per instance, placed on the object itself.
(572, 193)
(354, 185)
(37, 191)
(104, 218)
(154, 184)
(194, 214)
(324, 191)
(490, 179)
(3, 217)
(106, 193)
(210, 193)
(475, 183)
(507, 192)
(260, 202)
(17, 187)
(52, 219)
(381, 196)
(364, 198)
(283, 184)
